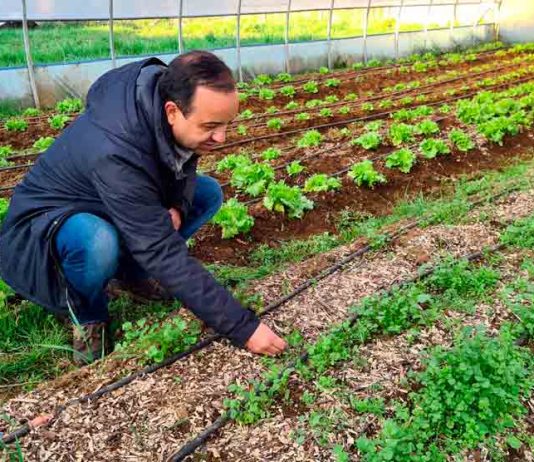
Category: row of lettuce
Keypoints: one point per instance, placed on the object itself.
(415, 137)
(340, 103)
(267, 87)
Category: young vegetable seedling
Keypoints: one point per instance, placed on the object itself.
(233, 218)
(364, 174)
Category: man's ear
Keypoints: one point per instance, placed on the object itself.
(173, 112)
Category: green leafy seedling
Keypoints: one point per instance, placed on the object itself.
(311, 138)
(369, 140)
(287, 199)
(364, 174)
(43, 143)
(233, 218)
(295, 168)
(271, 154)
(403, 159)
(321, 182)
(58, 121)
(17, 124)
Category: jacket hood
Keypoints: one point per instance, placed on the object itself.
(125, 103)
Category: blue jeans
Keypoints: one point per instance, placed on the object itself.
(90, 250)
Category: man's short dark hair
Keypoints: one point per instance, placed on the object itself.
(190, 70)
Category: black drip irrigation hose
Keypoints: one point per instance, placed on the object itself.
(32, 121)
(23, 154)
(191, 446)
(16, 167)
(25, 429)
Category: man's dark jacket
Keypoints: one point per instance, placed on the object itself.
(117, 160)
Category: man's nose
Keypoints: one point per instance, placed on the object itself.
(219, 136)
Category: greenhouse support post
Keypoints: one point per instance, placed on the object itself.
(365, 26)
(180, 25)
(238, 41)
(397, 29)
(427, 22)
(112, 37)
(329, 33)
(29, 59)
(453, 19)
(478, 16)
(286, 36)
(497, 20)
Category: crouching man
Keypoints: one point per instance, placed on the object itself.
(117, 196)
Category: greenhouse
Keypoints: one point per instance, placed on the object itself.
(267, 230)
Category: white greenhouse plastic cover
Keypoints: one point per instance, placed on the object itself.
(48, 10)
(56, 82)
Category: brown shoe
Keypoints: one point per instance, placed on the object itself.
(143, 291)
(90, 342)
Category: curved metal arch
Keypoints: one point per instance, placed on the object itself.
(112, 53)
(329, 33)
(238, 41)
(286, 37)
(180, 27)
(397, 29)
(497, 18)
(28, 53)
(365, 27)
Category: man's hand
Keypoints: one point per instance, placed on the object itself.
(176, 219)
(265, 341)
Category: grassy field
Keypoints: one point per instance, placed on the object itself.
(59, 42)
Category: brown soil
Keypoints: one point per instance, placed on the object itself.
(427, 177)
(24, 140)
(257, 127)
(263, 138)
(360, 83)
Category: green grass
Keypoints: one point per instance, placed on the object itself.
(35, 346)
(58, 42)
(32, 344)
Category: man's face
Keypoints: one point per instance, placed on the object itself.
(205, 125)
